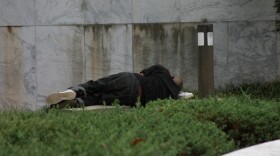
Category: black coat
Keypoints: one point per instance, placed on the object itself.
(159, 84)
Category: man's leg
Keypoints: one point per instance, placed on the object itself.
(122, 86)
(86, 91)
(92, 100)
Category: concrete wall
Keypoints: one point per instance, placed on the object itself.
(49, 45)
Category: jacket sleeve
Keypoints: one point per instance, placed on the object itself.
(154, 69)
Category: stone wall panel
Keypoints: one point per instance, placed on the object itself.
(170, 45)
(108, 11)
(252, 52)
(59, 12)
(60, 59)
(203, 10)
(17, 12)
(251, 10)
(108, 50)
(17, 67)
(153, 11)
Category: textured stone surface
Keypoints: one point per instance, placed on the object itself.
(251, 10)
(59, 12)
(17, 67)
(108, 11)
(167, 40)
(154, 11)
(108, 50)
(252, 51)
(221, 64)
(17, 12)
(60, 60)
(203, 10)
(189, 51)
(271, 148)
(168, 45)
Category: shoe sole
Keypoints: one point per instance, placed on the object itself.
(58, 97)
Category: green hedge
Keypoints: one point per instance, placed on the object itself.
(138, 131)
(247, 121)
(259, 90)
(212, 126)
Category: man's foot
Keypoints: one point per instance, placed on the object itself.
(60, 96)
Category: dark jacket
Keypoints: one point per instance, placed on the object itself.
(158, 84)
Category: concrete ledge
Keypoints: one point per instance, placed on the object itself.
(271, 148)
(96, 107)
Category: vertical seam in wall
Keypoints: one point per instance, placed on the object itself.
(36, 54)
(103, 50)
(227, 41)
(181, 47)
(84, 46)
(84, 54)
(227, 49)
(84, 10)
(132, 48)
(132, 34)
(180, 13)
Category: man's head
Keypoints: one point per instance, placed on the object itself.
(178, 81)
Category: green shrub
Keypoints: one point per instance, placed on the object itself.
(267, 90)
(138, 131)
(245, 120)
(245, 114)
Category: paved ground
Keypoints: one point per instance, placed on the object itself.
(271, 148)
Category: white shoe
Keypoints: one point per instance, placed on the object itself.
(185, 95)
(60, 96)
